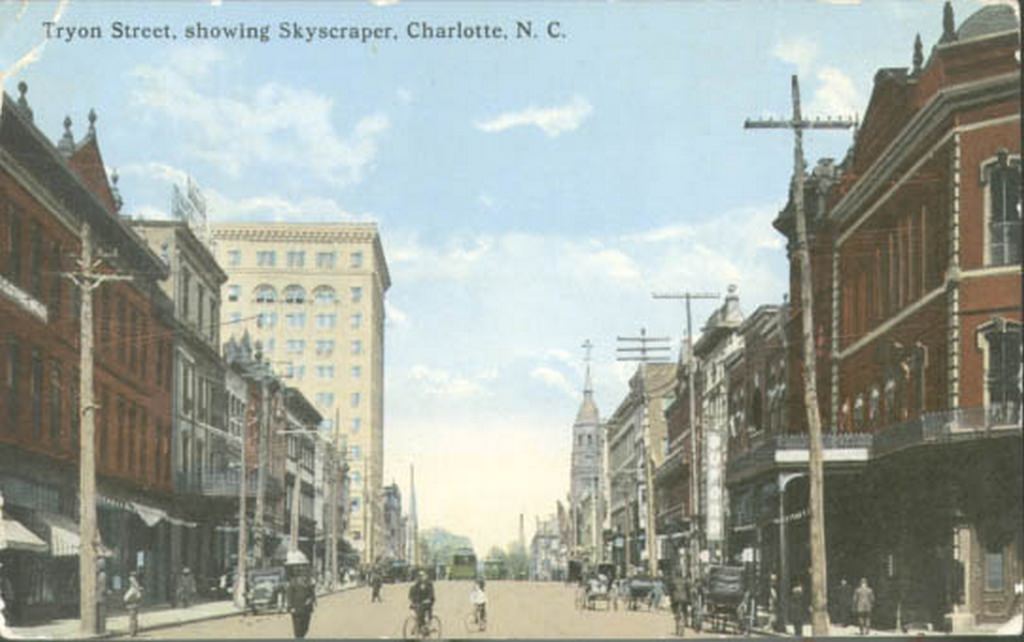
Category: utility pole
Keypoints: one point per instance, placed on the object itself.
(819, 582)
(261, 474)
(243, 509)
(692, 423)
(293, 530)
(87, 280)
(645, 349)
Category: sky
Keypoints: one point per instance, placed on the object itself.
(531, 193)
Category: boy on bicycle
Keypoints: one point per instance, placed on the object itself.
(478, 599)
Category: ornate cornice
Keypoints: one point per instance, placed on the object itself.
(298, 232)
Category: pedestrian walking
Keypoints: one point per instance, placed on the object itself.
(798, 610)
(777, 622)
(863, 604)
(186, 588)
(301, 593)
(844, 603)
(101, 595)
(376, 582)
(132, 602)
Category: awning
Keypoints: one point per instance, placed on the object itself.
(15, 537)
(151, 516)
(64, 538)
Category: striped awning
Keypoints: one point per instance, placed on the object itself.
(64, 538)
(15, 537)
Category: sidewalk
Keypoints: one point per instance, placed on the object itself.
(149, 619)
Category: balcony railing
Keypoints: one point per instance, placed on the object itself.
(947, 426)
(223, 484)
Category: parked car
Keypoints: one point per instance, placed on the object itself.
(265, 590)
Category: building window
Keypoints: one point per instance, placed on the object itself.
(1001, 343)
(235, 317)
(1003, 211)
(55, 402)
(994, 570)
(37, 394)
(265, 294)
(295, 320)
(873, 402)
(356, 260)
(324, 295)
(357, 478)
(357, 372)
(356, 453)
(200, 307)
(325, 260)
(186, 287)
(354, 399)
(294, 294)
(12, 270)
(357, 347)
(355, 507)
(35, 261)
(266, 320)
(234, 293)
(324, 347)
(357, 423)
(295, 346)
(56, 278)
(266, 258)
(357, 294)
(234, 258)
(326, 321)
(325, 372)
(296, 259)
(325, 399)
(858, 413)
(355, 321)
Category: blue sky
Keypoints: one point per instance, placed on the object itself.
(530, 193)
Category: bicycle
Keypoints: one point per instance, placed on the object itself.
(430, 629)
(476, 621)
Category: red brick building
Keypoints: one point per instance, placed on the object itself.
(916, 250)
(46, 193)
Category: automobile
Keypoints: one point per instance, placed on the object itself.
(265, 590)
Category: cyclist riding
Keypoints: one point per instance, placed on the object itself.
(421, 599)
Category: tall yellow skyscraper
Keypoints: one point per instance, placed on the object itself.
(313, 294)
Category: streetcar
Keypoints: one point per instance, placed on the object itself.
(463, 565)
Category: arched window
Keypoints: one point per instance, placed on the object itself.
(1001, 178)
(873, 406)
(294, 294)
(324, 295)
(265, 294)
(1000, 341)
(891, 413)
(858, 413)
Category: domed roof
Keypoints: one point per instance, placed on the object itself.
(987, 20)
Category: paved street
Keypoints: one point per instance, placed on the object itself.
(516, 609)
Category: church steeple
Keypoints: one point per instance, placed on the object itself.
(588, 409)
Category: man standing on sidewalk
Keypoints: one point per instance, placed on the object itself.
(301, 593)
(132, 601)
(863, 603)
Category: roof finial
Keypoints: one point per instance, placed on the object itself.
(588, 387)
(948, 23)
(67, 141)
(116, 193)
(918, 54)
(92, 122)
(22, 102)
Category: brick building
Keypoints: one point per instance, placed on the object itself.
(47, 193)
(916, 252)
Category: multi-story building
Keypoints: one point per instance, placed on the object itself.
(394, 535)
(718, 341)
(199, 433)
(916, 248)
(586, 475)
(302, 421)
(639, 416)
(314, 295)
(48, 195)
(547, 554)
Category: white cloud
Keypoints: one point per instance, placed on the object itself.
(835, 94)
(796, 50)
(551, 120)
(274, 124)
(436, 382)
(394, 315)
(554, 379)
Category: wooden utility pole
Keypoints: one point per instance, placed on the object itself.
(695, 526)
(88, 279)
(261, 481)
(819, 577)
(243, 529)
(650, 349)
